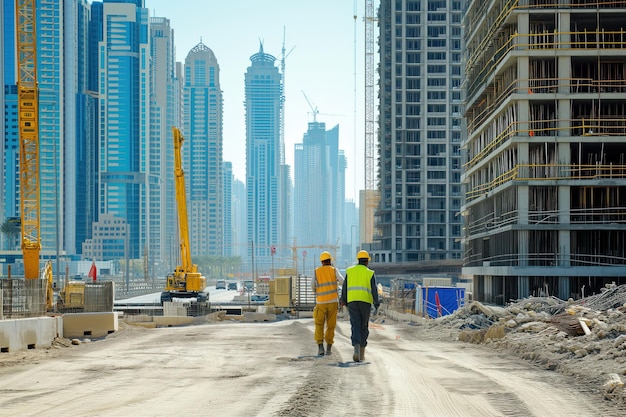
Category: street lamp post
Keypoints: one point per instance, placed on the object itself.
(273, 253)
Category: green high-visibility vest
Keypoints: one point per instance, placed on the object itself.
(359, 284)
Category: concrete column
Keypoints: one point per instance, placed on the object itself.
(564, 288)
(522, 287)
(488, 288)
(564, 219)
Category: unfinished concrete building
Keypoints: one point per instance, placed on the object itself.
(545, 169)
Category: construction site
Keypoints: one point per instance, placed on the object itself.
(545, 171)
(537, 328)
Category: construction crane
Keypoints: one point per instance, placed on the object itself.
(28, 116)
(370, 196)
(185, 281)
(314, 110)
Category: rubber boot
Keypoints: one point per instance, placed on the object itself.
(356, 356)
(320, 349)
(362, 353)
(329, 349)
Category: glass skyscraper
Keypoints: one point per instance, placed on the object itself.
(263, 103)
(318, 192)
(123, 87)
(80, 130)
(164, 108)
(203, 151)
(51, 159)
(9, 138)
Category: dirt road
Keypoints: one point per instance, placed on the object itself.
(269, 369)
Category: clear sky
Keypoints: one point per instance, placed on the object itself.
(324, 60)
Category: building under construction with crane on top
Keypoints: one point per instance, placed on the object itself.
(417, 223)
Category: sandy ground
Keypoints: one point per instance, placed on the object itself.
(270, 369)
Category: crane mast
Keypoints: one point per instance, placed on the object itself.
(181, 202)
(185, 281)
(28, 116)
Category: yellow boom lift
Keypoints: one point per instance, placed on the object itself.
(185, 281)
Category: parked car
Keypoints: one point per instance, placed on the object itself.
(232, 286)
(221, 284)
(248, 286)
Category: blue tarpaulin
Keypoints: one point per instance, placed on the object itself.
(441, 301)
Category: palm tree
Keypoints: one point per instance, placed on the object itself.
(12, 229)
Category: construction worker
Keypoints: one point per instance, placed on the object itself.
(359, 292)
(324, 283)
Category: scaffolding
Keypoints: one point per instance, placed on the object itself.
(545, 152)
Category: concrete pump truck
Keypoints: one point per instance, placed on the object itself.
(185, 281)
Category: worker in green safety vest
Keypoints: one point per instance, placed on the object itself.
(359, 293)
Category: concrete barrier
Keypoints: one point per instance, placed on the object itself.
(29, 333)
(169, 321)
(90, 324)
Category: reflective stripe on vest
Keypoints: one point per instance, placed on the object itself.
(359, 284)
(325, 285)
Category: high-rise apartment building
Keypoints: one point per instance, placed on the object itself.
(419, 131)
(263, 104)
(52, 160)
(162, 238)
(123, 68)
(228, 209)
(9, 138)
(239, 220)
(50, 71)
(319, 195)
(203, 151)
(80, 115)
(545, 172)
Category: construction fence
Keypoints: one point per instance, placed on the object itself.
(425, 300)
(21, 298)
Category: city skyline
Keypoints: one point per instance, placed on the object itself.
(320, 63)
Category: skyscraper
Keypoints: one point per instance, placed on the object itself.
(239, 219)
(203, 150)
(50, 69)
(263, 103)
(420, 131)
(124, 94)
(9, 138)
(228, 209)
(318, 194)
(163, 230)
(80, 116)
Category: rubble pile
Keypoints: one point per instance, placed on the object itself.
(584, 338)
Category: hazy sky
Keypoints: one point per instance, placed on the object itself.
(320, 47)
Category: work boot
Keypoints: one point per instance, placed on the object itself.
(356, 356)
(320, 349)
(328, 349)
(362, 353)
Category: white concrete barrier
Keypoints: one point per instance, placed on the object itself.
(29, 333)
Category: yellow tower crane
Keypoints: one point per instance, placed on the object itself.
(28, 116)
(28, 120)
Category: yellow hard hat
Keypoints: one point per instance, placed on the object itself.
(324, 256)
(363, 255)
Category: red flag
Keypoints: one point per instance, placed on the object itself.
(92, 271)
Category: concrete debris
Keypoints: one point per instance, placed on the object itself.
(584, 338)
